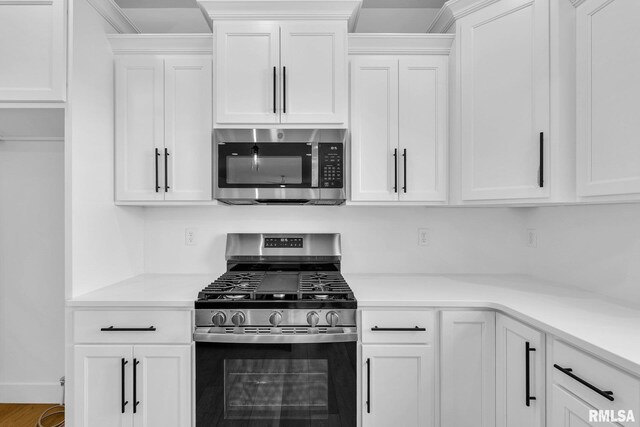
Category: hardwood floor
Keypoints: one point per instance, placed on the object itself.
(26, 415)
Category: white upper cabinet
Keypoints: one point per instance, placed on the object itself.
(139, 121)
(187, 127)
(608, 89)
(163, 128)
(247, 72)
(314, 67)
(399, 139)
(281, 73)
(32, 48)
(374, 129)
(423, 128)
(504, 101)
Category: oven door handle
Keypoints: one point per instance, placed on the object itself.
(275, 338)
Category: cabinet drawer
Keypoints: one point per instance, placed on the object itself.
(132, 326)
(597, 373)
(398, 326)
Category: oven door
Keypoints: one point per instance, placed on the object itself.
(276, 385)
(265, 165)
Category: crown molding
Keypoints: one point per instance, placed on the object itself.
(281, 10)
(400, 44)
(31, 138)
(454, 10)
(112, 13)
(164, 44)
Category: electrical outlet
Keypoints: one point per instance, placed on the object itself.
(190, 237)
(532, 238)
(424, 236)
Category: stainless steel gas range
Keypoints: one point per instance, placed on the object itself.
(276, 335)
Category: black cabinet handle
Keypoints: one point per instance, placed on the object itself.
(123, 402)
(541, 170)
(395, 170)
(274, 90)
(414, 329)
(404, 158)
(156, 163)
(527, 351)
(368, 386)
(136, 402)
(284, 90)
(166, 170)
(112, 329)
(569, 372)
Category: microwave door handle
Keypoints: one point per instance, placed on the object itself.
(315, 166)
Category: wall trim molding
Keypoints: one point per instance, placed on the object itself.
(30, 392)
(284, 10)
(400, 44)
(167, 44)
(113, 14)
(454, 10)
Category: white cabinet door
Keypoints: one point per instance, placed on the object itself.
(520, 373)
(163, 379)
(423, 127)
(608, 89)
(139, 117)
(314, 72)
(569, 411)
(504, 100)
(467, 377)
(398, 388)
(101, 385)
(32, 47)
(187, 125)
(374, 129)
(247, 72)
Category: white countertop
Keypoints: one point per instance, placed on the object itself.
(605, 328)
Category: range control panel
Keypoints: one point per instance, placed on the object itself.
(331, 164)
(283, 242)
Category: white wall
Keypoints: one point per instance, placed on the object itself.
(31, 271)
(593, 247)
(374, 239)
(106, 241)
(395, 20)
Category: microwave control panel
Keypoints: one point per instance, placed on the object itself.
(331, 164)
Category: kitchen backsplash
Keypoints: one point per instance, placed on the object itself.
(374, 239)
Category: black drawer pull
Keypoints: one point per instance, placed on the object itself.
(112, 329)
(527, 367)
(368, 402)
(123, 402)
(569, 372)
(414, 329)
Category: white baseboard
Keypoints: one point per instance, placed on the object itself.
(30, 392)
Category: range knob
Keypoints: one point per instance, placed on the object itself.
(313, 319)
(275, 319)
(219, 319)
(238, 318)
(333, 318)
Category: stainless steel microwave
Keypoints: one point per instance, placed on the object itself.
(277, 166)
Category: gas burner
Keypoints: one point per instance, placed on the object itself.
(235, 297)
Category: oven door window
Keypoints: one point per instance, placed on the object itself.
(276, 389)
(264, 165)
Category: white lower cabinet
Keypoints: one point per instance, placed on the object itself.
(132, 386)
(398, 386)
(520, 374)
(570, 411)
(467, 369)
(398, 368)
